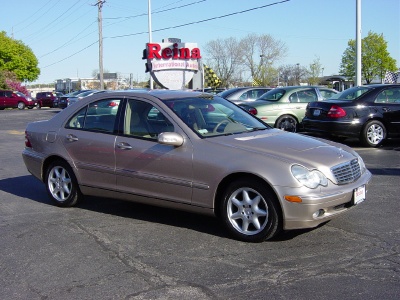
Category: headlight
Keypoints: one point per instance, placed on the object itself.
(310, 179)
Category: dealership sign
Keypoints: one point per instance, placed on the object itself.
(172, 63)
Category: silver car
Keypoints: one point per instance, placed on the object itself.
(285, 107)
(80, 96)
(196, 152)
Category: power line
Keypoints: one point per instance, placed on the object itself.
(177, 26)
(202, 21)
(155, 12)
(71, 55)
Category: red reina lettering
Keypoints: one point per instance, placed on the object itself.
(166, 53)
(154, 51)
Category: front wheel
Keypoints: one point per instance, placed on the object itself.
(373, 133)
(287, 123)
(250, 211)
(61, 184)
(21, 105)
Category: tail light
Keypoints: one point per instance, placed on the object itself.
(336, 112)
(252, 110)
(27, 141)
(113, 104)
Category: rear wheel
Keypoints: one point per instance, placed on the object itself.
(61, 184)
(250, 211)
(373, 133)
(38, 106)
(21, 105)
(287, 123)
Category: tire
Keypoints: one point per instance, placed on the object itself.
(249, 211)
(21, 105)
(287, 123)
(38, 106)
(373, 133)
(61, 184)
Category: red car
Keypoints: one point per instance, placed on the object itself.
(10, 99)
(47, 99)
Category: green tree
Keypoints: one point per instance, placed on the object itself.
(18, 58)
(375, 59)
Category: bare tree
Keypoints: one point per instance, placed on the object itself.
(292, 74)
(225, 58)
(260, 53)
(314, 72)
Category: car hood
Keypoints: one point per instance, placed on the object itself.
(290, 147)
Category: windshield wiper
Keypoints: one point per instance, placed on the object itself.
(257, 129)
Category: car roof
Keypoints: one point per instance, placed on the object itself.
(160, 94)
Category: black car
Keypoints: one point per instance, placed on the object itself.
(240, 95)
(370, 113)
(63, 101)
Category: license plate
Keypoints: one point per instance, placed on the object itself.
(316, 113)
(359, 195)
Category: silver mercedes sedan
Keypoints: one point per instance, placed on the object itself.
(196, 152)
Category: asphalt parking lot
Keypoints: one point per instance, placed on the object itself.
(109, 249)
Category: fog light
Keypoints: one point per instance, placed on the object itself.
(318, 213)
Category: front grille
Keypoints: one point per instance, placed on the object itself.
(347, 172)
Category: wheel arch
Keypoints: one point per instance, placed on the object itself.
(48, 161)
(374, 118)
(223, 185)
(289, 114)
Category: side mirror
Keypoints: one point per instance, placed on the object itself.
(170, 138)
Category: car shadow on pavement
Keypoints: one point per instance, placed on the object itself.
(25, 187)
(29, 187)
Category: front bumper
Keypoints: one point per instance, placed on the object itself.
(336, 201)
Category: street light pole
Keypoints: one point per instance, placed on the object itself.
(358, 42)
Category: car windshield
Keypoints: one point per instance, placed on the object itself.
(272, 95)
(20, 94)
(214, 116)
(351, 93)
(86, 93)
(226, 93)
(72, 94)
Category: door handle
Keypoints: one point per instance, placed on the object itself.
(72, 138)
(385, 109)
(124, 146)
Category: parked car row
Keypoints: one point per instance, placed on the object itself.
(73, 97)
(370, 113)
(12, 99)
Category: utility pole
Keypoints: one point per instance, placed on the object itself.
(100, 22)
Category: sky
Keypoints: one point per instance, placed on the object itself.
(64, 34)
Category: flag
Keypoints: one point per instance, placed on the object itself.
(210, 78)
(391, 77)
(256, 82)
